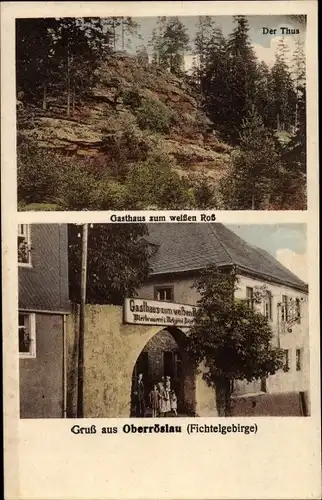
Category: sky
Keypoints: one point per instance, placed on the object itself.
(264, 45)
(273, 237)
(286, 242)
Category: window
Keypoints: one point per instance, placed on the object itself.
(27, 335)
(286, 366)
(298, 360)
(268, 306)
(24, 255)
(298, 310)
(284, 308)
(163, 293)
(250, 296)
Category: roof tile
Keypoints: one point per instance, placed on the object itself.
(188, 247)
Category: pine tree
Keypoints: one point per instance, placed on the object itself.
(209, 52)
(78, 46)
(263, 97)
(156, 41)
(202, 46)
(36, 68)
(57, 57)
(284, 97)
(213, 83)
(170, 40)
(241, 75)
(255, 168)
(129, 29)
(142, 55)
(299, 76)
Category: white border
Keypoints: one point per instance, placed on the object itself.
(43, 459)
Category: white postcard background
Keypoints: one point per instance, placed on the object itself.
(43, 459)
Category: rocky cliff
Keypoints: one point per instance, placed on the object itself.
(156, 108)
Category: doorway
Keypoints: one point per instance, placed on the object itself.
(164, 355)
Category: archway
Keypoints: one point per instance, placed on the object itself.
(165, 355)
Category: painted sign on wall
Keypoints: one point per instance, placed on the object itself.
(155, 312)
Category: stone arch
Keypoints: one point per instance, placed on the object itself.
(164, 353)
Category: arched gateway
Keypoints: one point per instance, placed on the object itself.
(115, 349)
(165, 355)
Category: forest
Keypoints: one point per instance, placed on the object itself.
(100, 126)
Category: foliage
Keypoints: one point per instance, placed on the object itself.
(233, 340)
(283, 89)
(154, 183)
(203, 192)
(37, 171)
(117, 262)
(37, 207)
(69, 183)
(154, 115)
(56, 56)
(59, 56)
(245, 101)
(123, 28)
(170, 40)
(252, 179)
(124, 148)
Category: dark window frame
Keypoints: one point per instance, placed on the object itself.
(161, 288)
(298, 359)
(268, 300)
(250, 297)
(286, 366)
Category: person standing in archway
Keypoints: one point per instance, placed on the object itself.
(139, 397)
(162, 400)
(167, 394)
(154, 401)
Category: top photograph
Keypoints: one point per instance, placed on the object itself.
(161, 113)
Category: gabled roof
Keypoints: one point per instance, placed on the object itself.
(191, 247)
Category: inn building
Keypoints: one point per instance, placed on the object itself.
(178, 253)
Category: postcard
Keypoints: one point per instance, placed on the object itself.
(160, 250)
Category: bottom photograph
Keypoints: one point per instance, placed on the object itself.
(163, 320)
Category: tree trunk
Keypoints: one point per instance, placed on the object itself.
(223, 396)
(73, 100)
(228, 397)
(44, 99)
(68, 85)
(122, 28)
(114, 37)
(253, 202)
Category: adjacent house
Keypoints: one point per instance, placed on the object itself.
(43, 306)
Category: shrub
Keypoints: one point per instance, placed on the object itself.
(204, 193)
(155, 116)
(131, 98)
(155, 183)
(77, 189)
(36, 174)
(124, 148)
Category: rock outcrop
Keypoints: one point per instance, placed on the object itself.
(109, 108)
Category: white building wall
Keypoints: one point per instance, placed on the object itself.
(183, 293)
(296, 339)
(292, 380)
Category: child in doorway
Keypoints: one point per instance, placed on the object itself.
(173, 402)
(154, 401)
